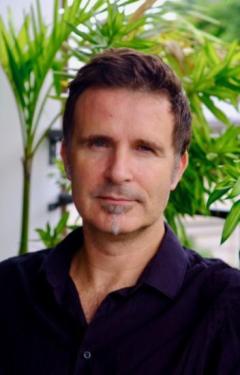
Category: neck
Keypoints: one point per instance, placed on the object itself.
(108, 261)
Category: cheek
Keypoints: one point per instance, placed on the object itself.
(156, 180)
(86, 177)
(157, 186)
(161, 191)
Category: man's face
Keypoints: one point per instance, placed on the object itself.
(121, 159)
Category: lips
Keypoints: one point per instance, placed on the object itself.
(118, 194)
(115, 199)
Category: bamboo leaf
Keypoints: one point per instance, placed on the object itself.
(216, 195)
(231, 53)
(212, 54)
(61, 225)
(231, 222)
(133, 26)
(55, 19)
(73, 11)
(41, 26)
(231, 135)
(3, 52)
(42, 234)
(82, 34)
(15, 77)
(235, 190)
(22, 38)
(34, 24)
(233, 72)
(231, 86)
(218, 113)
(200, 66)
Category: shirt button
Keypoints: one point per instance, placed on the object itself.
(87, 355)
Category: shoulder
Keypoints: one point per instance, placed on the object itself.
(218, 289)
(219, 281)
(20, 283)
(214, 290)
(215, 269)
(14, 269)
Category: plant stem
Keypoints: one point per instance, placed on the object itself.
(141, 10)
(27, 168)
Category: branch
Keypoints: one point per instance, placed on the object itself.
(46, 131)
(41, 108)
(141, 10)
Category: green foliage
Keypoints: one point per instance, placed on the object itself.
(51, 235)
(211, 76)
(27, 57)
(232, 220)
(115, 30)
(228, 189)
(224, 16)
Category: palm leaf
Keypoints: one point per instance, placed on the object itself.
(231, 222)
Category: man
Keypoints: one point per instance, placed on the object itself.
(121, 295)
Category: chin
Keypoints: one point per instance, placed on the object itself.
(125, 230)
(112, 225)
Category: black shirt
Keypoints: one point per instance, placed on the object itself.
(181, 317)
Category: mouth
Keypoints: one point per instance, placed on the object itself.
(115, 199)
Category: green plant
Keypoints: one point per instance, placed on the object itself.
(211, 76)
(27, 57)
(51, 235)
(224, 16)
(228, 189)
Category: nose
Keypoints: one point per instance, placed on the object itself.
(119, 167)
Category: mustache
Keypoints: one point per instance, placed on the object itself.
(122, 191)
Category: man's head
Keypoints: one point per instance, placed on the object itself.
(126, 130)
(132, 70)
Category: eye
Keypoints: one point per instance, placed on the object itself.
(98, 142)
(145, 148)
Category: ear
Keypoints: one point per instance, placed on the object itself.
(65, 159)
(179, 169)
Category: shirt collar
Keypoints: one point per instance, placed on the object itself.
(57, 264)
(165, 271)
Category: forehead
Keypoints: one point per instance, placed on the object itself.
(123, 109)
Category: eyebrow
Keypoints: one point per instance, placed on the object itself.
(92, 137)
(157, 147)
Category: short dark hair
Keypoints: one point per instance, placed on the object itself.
(130, 69)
